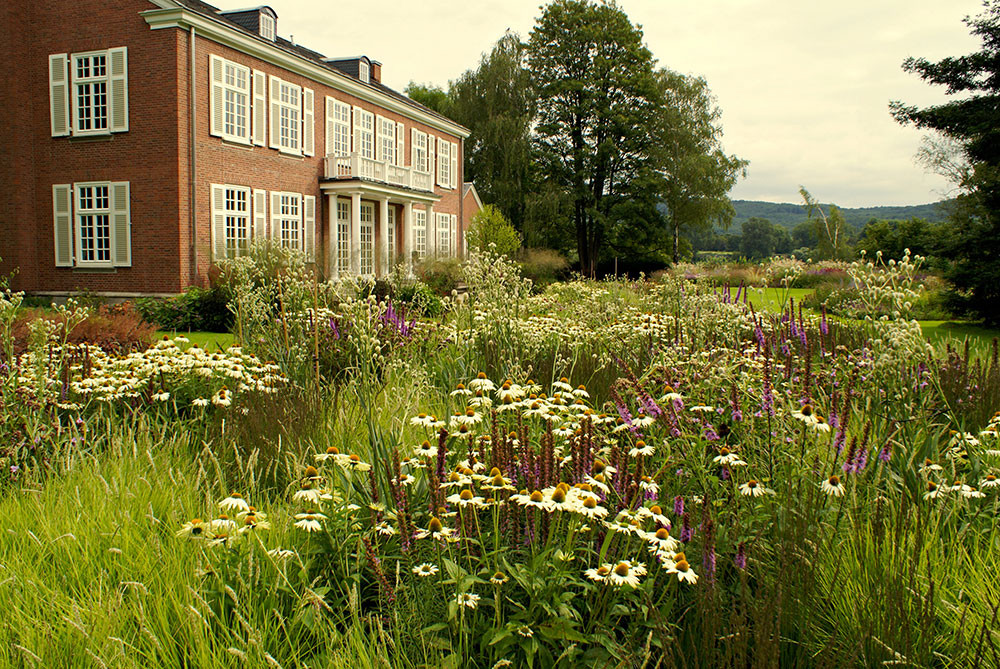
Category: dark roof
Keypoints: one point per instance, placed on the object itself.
(302, 52)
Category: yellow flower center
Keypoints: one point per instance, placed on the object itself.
(656, 510)
(495, 471)
(558, 496)
(332, 450)
(311, 472)
(537, 496)
(640, 444)
(590, 503)
(680, 557)
(682, 565)
(603, 571)
(460, 386)
(434, 525)
(497, 481)
(564, 379)
(598, 466)
(621, 569)
(807, 410)
(354, 457)
(466, 495)
(481, 375)
(751, 483)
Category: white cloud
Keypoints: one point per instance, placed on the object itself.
(804, 86)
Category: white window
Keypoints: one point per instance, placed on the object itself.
(286, 221)
(420, 232)
(237, 212)
(391, 236)
(338, 127)
(90, 87)
(229, 104)
(92, 224)
(387, 140)
(289, 117)
(364, 71)
(418, 159)
(444, 163)
(91, 98)
(367, 238)
(444, 234)
(267, 27)
(364, 133)
(343, 236)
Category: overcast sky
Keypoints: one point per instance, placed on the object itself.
(804, 86)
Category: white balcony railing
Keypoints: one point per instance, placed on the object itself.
(355, 166)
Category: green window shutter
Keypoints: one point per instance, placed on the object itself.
(118, 121)
(63, 220)
(59, 95)
(121, 224)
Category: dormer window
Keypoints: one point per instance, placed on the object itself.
(267, 26)
(364, 71)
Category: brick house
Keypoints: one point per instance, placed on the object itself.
(147, 139)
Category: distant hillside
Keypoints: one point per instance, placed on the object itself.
(789, 215)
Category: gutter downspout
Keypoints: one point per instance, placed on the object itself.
(192, 201)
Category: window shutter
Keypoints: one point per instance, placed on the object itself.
(430, 160)
(356, 135)
(442, 161)
(259, 214)
(413, 149)
(331, 126)
(275, 210)
(379, 136)
(59, 97)
(63, 220)
(218, 222)
(309, 226)
(308, 122)
(118, 117)
(275, 112)
(454, 234)
(454, 165)
(400, 144)
(121, 225)
(259, 108)
(216, 100)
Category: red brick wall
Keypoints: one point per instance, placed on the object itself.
(146, 155)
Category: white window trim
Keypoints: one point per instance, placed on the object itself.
(365, 127)
(245, 137)
(277, 217)
(420, 233)
(74, 96)
(280, 105)
(267, 26)
(364, 71)
(340, 143)
(78, 227)
(247, 214)
(386, 148)
(420, 153)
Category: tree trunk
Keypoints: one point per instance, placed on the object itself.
(677, 242)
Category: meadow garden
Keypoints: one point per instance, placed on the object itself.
(667, 472)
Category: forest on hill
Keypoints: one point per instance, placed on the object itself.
(788, 215)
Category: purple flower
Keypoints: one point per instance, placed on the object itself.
(687, 532)
(678, 506)
(741, 557)
(885, 453)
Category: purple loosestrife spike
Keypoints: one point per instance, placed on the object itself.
(885, 453)
(741, 557)
(687, 532)
(678, 506)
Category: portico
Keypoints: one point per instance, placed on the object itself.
(373, 227)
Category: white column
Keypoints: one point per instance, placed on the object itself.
(431, 232)
(356, 234)
(383, 236)
(408, 237)
(333, 268)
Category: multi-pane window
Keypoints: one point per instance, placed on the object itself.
(365, 122)
(391, 236)
(267, 27)
(237, 220)
(444, 234)
(289, 220)
(289, 106)
(364, 71)
(341, 129)
(236, 101)
(343, 236)
(420, 151)
(420, 232)
(387, 139)
(93, 224)
(90, 85)
(444, 163)
(367, 239)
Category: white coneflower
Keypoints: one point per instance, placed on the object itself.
(806, 415)
(642, 420)
(727, 457)
(833, 486)
(461, 391)
(525, 631)
(934, 491)
(499, 578)
(222, 398)
(590, 509)
(309, 521)
(194, 529)
(234, 502)
(466, 498)
(565, 431)
(385, 529)
(820, 425)
(426, 450)
(223, 524)
(683, 569)
(669, 395)
(281, 553)
(535, 499)
(643, 449)
(598, 482)
(496, 481)
(563, 385)
(224, 539)
(598, 573)
(753, 488)
(479, 400)
(436, 530)
(468, 599)
(624, 574)
(252, 522)
(990, 481)
(662, 541)
(482, 383)
(161, 396)
(581, 391)
(536, 409)
(929, 466)
(648, 485)
(426, 569)
(354, 463)
(457, 480)
(656, 513)
(200, 402)
(967, 491)
(331, 453)
(702, 408)
(423, 420)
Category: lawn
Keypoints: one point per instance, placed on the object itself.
(210, 341)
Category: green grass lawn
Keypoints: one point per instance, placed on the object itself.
(210, 341)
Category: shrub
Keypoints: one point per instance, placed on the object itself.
(542, 266)
(421, 298)
(114, 328)
(441, 275)
(490, 228)
(196, 309)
